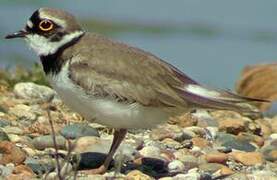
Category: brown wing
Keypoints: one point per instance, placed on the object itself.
(108, 68)
(125, 73)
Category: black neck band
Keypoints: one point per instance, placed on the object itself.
(51, 63)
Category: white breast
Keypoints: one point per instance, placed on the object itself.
(103, 110)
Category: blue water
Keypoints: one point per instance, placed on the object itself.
(244, 32)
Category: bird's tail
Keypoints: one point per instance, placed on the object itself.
(218, 99)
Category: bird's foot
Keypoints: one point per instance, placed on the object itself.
(101, 170)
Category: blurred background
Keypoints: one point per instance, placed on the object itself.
(209, 40)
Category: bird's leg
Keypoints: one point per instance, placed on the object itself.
(119, 135)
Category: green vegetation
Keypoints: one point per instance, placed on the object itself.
(9, 77)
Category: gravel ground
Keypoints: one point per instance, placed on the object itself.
(202, 145)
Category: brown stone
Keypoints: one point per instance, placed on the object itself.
(225, 171)
(137, 175)
(259, 81)
(200, 142)
(248, 158)
(216, 157)
(185, 120)
(233, 126)
(21, 176)
(23, 169)
(11, 153)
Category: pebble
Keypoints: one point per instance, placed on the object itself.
(248, 158)
(29, 90)
(23, 169)
(11, 153)
(176, 166)
(216, 157)
(43, 142)
(185, 120)
(204, 119)
(13, 130)
(4, 122)
(23, 112)
(39, 166)
(167, 131)
(4, 136)
(200, 142)
(239, 145)
(189, 161)
(96, 144)
(75, 131)
(187, 176)
(6, 170)
(151, 151)
(137, 175)
(89, 160)
(232, 126)
(270, 153)
(210, 167)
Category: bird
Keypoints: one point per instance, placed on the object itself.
(115, 84)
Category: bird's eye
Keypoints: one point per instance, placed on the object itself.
(46, 25)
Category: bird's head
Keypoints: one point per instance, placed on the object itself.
(49, 29)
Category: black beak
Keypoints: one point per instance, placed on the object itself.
(19, 34)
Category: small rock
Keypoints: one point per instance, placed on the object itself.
(200, 142)
(6, 170)
(23, 112)
(75, 131)
(11, 153)
(38, 166)
(170, 143)
(187, 176)
(176, 166)
(251, 138)
(224, 137)
(248, 158)
(29, 90)
(18, 176)
(3, 136)
(43, 142)
(96, 144)
(240, 145)
(185, 120)
(151, 151)
(13, 130)
(23, 169)
(233, 126)
(225, 171)
(204, 119)
(4, 123)
(167, 131)
(270, 153)
(216, 158)
(210, 167)
(90, 160)
(137, 175)
(189, 161)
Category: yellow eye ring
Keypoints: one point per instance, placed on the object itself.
(46, 25)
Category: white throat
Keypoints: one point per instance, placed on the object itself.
(43, 47)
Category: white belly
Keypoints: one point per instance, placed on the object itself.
(103, 110)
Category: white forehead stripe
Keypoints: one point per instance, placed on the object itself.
(30, 24)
